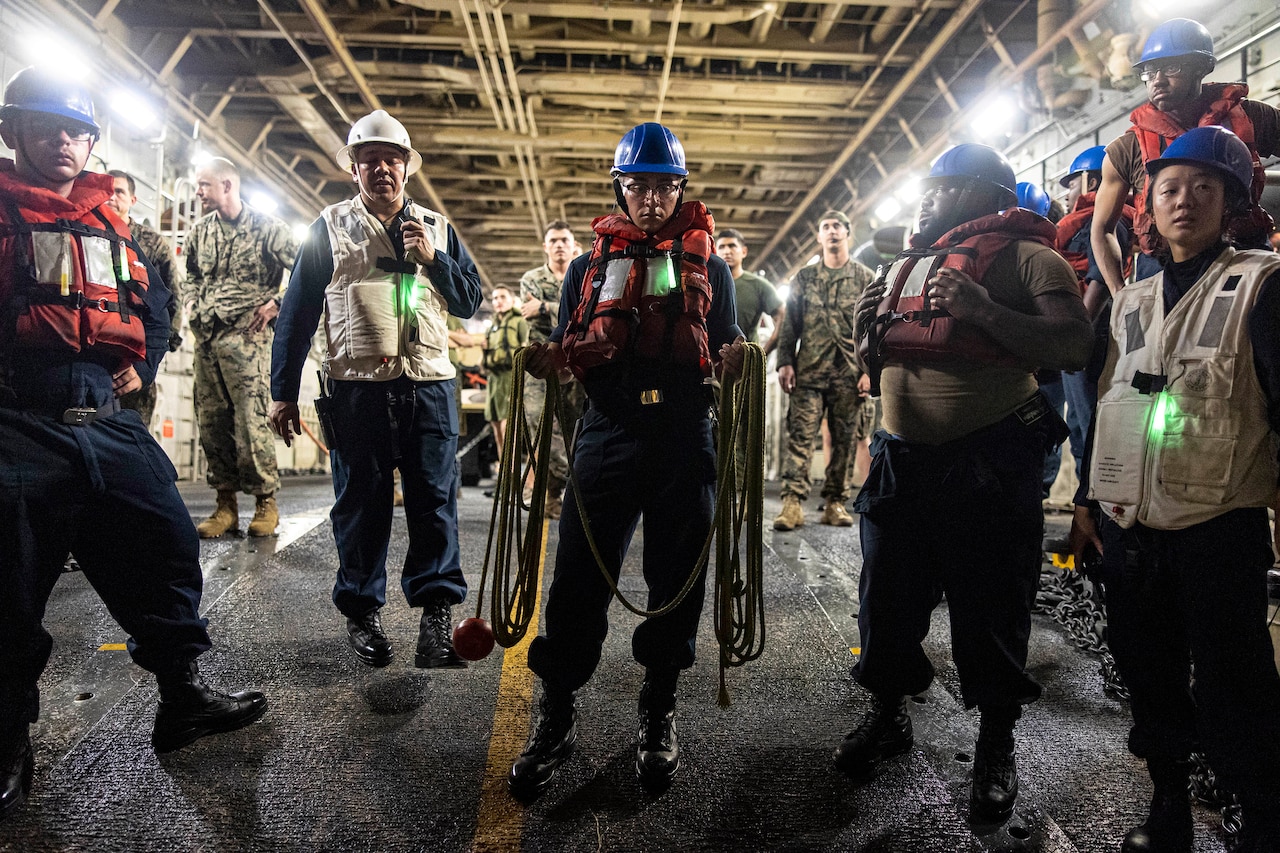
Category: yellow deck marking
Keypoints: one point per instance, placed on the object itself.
(113, 647)
(857, 650)
(501, 819)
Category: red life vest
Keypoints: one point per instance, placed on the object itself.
(908, 328)
(70, 274)
(1079, 220)
(634, 303)
(1154, 130)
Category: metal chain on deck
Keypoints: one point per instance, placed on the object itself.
(1072, 600)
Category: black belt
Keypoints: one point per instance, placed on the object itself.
(72, 415)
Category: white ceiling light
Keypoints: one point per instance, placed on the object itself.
(133, 109)
(262, 201)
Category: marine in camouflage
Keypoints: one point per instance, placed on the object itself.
(232, 269)
(817, 341)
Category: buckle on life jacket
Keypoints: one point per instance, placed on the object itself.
(651, 396)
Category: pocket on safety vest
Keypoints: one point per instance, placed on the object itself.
(1119, 451)
(373, 328)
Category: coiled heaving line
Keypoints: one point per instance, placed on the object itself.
(515, 542)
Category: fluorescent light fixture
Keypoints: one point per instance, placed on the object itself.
(199, 157)
(300, 231)
(133, 108)
(783, 291)
(262, 201)
(813, 260)
(56, 56)
(995, 117)
(888, 209)
(909, 192)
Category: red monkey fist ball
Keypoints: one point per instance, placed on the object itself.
(473, 639)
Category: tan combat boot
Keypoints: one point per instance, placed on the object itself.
(226, 516)
(265, 517)
(792, 515)
(836, 515)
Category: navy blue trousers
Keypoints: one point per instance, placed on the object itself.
(382, 426)
(663, 471)
(964, 520)
(1198, 594)
(105, 492)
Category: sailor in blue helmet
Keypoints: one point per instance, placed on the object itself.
(645, 318)
(1032, 197)
(1175, 60)
(1183, 468)
(85, 320)
(1072, 242)
(986, 301)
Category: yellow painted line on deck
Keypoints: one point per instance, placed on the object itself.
(113, 647)
(500, 821)
(857, 650)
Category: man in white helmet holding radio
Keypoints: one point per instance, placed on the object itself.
(386, 273)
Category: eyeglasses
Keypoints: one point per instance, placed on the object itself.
(1150, 70)
(50, 126)
(660, 191)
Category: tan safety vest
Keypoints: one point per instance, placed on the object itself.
(1182, 433)
(382, 320)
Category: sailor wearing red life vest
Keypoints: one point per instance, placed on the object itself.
(83, 319)
(957, 328)
(1080, 387)
(645, 317)
(1175, 59)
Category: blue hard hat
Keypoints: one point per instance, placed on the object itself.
(1212, 146)
(1178, 37)
(1088, 160)
(1031, 197)
(37, 90)
(980, 162)
(649, 147)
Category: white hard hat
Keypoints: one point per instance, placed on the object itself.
(378, 126)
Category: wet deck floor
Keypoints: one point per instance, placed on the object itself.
(399, 759)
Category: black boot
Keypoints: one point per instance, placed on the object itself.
(368, 640)
(657, 748)
(551, 742)
(17, 765)
(189, 709)
(1169, 827)
(885, 731)
(435, 637)
(995, 772)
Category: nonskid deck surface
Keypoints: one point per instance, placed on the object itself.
(400, 759)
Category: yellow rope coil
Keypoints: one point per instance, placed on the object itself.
(739, 594)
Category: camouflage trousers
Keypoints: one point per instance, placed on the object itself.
(142, 401)
(849, 417)
(232, 376)
(535, 399)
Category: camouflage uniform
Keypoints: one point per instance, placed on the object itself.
(230, 272)
(540, 283)
(157, 250)
(820, 318)
(508, 333)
